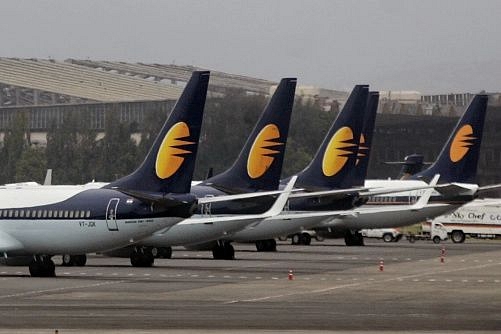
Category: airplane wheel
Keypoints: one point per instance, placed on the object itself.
(80, 260)
(67, 260)
(229, 252)
(141, 259)
(271, 245)
(305, 239)
(42, 267)
(164, 252)
(260, 246)
(217, 252)
(296, 239)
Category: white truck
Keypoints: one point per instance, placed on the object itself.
(480, 218)
(433, 231)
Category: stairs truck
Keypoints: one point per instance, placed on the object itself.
(480, 218)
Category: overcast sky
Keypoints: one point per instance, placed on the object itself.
(429, 46)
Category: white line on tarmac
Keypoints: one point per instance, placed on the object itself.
(35, 292)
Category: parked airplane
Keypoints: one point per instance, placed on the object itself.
(359, 111)
(256, 171)
(456, 165)
(46, 220)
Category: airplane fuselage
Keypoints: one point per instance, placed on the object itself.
(76, 220)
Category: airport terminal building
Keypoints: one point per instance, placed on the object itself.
(408, 122)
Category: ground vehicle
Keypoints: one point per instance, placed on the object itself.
(387, 234)
(478, 219)
(435, 232)
(302, 238)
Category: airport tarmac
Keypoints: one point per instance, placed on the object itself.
(334, 288)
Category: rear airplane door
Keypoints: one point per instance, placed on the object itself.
(111, 214)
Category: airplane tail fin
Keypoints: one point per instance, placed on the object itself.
(457, 162)
(364, 148)
(333, 163)
(170, 163)
(259, 165)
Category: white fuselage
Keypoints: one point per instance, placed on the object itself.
(59, 229)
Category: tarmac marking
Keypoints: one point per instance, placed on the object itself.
(35, 292)
(359, 284)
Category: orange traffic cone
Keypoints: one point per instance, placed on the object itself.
(381, 265)
(291, 275)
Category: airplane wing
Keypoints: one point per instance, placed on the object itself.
(362, 192)
(9, 243)
(454, 189)
(275, 209)
(490, 187)
(223, 198)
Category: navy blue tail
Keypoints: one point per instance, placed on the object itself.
(364, 148)
(259, 165)
(333, 163)
(170, 163)
(459, 158)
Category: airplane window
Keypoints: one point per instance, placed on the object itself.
(45, 213)
(65, 214)
(21, 213)
(33, 213)
(10, 213)
(55, 213)
(71, 214)
(77, 214)
(1, 213)
(87, 214)
(39, 213)
(16, 213)
(49, 214)
(60, 213)
(82, 214)
(27, 213)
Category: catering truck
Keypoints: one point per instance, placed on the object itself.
(480, 218)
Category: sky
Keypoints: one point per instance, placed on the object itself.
(427, 45)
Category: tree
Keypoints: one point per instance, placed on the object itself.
(13, 146)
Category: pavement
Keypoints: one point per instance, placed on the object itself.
(334, 288)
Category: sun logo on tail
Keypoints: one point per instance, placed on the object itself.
(338, 151)
(461, 143)
(362, 149)
(171, 153)
(262, 153)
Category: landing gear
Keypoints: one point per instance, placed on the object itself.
(223, 251)
(74, 260)
(42, 266)
(353, 238)
(301, 239)
(142, 257)
(269, 245)
(163, 253)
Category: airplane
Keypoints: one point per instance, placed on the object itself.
(43, 221)
(298, 216)
(456, 165)
(256, 171)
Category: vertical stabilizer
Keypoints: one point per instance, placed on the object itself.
(170, 163)
(259, 165)
(333, 163)
(458, 159)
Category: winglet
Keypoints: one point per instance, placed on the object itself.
(423, 200)
(282, 199)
